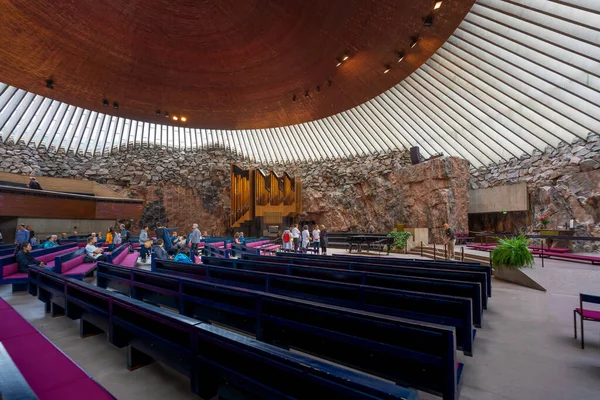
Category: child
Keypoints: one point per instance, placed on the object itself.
(286, 238)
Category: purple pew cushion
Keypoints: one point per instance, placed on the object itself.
(591, 314)
(41, 363)
(17, 275)
(129, 260)
(117, 260)
(81, 269)
(13, 325)
(72, 263)
(81, 388)
(9, 269)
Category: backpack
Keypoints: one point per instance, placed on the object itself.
(286, 237)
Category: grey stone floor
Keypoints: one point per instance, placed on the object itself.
(524, 351)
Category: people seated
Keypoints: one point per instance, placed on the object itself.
(63, 236)
(34, 184)
(51, 242)
(25, 259)
(242, 238)
(183, 255)
(236, 238)
(94, 252)
(146, 249)
(159, 250)
(175, 240)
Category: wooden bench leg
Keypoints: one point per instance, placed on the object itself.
(137, 359)
(575, 322)
(87, 329)
(582, 344)
(56, 310)
(19, 287)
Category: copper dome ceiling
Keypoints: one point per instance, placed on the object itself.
(227, 64)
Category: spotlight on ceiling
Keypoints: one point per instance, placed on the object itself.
(306, 94)
(428, 21)
(294, 98)
(318, 89)
(387, 69)
(175, 118)
(338, 62)
(166, 114)
(437, 5)
(116, 105)
(400, 56)
(158, 113)
(105, 103)
(50, 83)
(346, 56)
(183, 119)
(414, 41)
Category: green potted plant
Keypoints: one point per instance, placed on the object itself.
(510, 255)
(400, 239)
(545, 220)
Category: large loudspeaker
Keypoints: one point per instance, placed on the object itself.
(415, 158)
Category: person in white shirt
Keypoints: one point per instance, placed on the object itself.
(305, 238)
(93, 251)
(296, 237)
(316, 236)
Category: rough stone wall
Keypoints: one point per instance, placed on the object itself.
(563, 182)
(368, 193)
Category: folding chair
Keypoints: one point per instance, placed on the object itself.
(586, 315)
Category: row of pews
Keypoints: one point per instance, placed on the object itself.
(387, 319)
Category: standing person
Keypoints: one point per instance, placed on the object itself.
(305, 238)
(109, 239)
(22, 235)
(450, 240)
(286, 238)
(93, 251)
(143, 238)
(117, 239)
(324, 240)
(242, 238)
(25, 259)
(296, 237)
(236, 238)
(195, 238)
(316, 236)
(31, 233)
(33, 184)
(125, 235)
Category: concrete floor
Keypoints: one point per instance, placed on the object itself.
(524, 351)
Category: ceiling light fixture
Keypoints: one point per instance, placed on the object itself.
(158, 113)
(346, 56)
(166, 114)
(339, 62)
(116, 105)
(105, 103)
(183, 119)
(414, 42)
(387, 69)
(428, 21)
(175, 118)
(437, 5)
(400, 56)
(50, 83)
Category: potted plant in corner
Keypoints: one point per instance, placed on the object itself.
(509, 256)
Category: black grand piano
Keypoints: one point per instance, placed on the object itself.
(370, 241)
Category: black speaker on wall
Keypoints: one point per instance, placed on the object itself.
(415, 157)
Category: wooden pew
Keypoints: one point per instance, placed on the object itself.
(406, 351)
(209, 355)
(414, 271)
(122, 256)
(389, 261)
(447, 287)
(425, 307)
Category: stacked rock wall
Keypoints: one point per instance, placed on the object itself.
(563, 182)
(367, 193)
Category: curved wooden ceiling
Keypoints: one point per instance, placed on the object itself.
(227, 64)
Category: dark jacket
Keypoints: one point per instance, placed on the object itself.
(34, 185)
(24, 260)
(160, 253)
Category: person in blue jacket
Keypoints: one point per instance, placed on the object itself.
(183, 255)
(51, 242)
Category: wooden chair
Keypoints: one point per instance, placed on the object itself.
(586, 315)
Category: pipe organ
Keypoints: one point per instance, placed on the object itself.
(259, 193)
